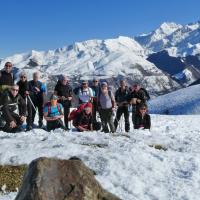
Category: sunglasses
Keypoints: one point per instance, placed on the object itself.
(8, 66)
(15, 90)
(84, 83)
(95, 81)
(23, 76)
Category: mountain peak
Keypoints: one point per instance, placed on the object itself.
(168, 27)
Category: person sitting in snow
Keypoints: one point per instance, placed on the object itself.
(83, 120)
(13, 110)
(53, 114)
(142, 119)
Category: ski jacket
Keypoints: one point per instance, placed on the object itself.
(33, 92)
(121, 96)
(85, 95)
(6, 80)
(23, 87)
(12, 104)
(141, 95)
(53, 110)
(63, 91)
(142, 122)
(82, 119)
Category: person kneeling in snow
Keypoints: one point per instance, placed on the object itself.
(84, 121)
(53, 113)
(142, 119)
(13, 110)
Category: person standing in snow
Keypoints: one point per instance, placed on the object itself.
(53, 114)
(6, 77)
(137, 96)
(64, 92)
(95, 87)
(24, 92)
(106, 106)
(122, 98)
(13, 110)
(37, 92)
(142, 119)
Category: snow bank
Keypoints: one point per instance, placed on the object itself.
(183, 101)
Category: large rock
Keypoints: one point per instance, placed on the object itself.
(54, 179)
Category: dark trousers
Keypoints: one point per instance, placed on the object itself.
(66, 114)
(17, 120)
(106, 116)
(52, 125)
(135, 110)
(122, 110)
(66, 105)
(38, 105)
(94, 111)
(28, 112)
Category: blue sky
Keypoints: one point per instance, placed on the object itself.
(49, 24)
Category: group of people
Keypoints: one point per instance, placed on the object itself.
(97, 104)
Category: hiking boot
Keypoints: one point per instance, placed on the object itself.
(19, 129)
(67, 129)
(28, 128)
(40, 125)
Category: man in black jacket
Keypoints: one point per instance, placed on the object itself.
(24, 92)
(37, 92)
(95, 88)
(121, 97)
(13, 109)
(64, 92)
(6, 77)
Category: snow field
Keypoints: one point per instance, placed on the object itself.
(126, 166)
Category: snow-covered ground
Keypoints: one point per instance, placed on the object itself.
(126, 166)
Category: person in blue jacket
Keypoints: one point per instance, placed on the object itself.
(53, 114)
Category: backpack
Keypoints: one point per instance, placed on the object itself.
(146, 93)
(48, 104)
(76, 111)
(90, 94)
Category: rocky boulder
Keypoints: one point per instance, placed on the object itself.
(55, 179)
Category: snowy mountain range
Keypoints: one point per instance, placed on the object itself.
(118, 58)
(182, 44)
(177, 39)
(161, 60)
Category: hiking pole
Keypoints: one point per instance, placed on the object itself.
(32, 103)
